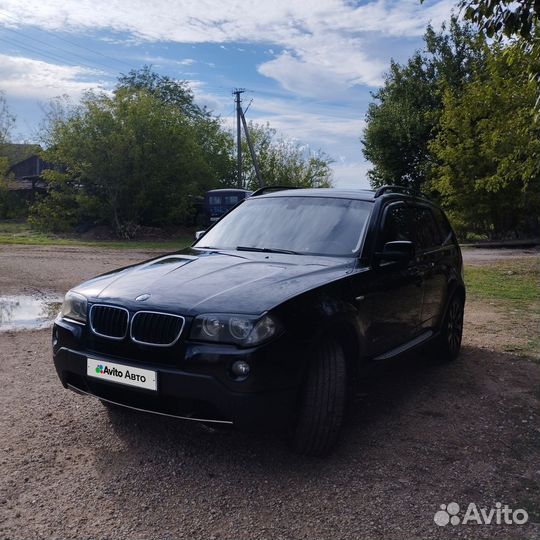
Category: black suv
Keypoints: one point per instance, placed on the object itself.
(272, 314)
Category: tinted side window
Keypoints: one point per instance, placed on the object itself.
(427, 232)
(231, 199)
(443, 224)
(397, 224)
(214, 199)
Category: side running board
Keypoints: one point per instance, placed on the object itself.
(419, 340)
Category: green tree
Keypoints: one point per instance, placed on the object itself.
(142, 155)
(283, 162)
(405, 114)
(7, 120)
(487, 148)
(518, 19)
(124, 160)
(510, 18)
(169, 91)
(215, 142)
(8, 205)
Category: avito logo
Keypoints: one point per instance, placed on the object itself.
(449, 513)
(102, 369)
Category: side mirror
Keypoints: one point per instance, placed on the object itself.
(198, 234)
(398, 251)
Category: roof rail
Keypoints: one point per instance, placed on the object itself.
(263, 190)
(399, 189)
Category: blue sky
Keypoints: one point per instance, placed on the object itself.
(309, 67)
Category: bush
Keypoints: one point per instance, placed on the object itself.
(475, 237)
(56, 212)
(12, 204)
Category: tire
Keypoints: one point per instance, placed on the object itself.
(449, 344)
(322, 402)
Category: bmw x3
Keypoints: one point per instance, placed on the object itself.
(272, 316)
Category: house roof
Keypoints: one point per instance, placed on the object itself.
(16, 153)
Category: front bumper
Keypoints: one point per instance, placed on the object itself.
(200, 389)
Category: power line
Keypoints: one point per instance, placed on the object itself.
(90, 50)
(51, 56)
(52, 46)
(4, 14)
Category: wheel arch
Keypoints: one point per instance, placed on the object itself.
(348, 335)
(455, 287)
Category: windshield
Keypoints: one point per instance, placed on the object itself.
(304, 225)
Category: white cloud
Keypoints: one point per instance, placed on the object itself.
(327, 40)
(29, 78)
(351, 175)
(204, 98)
(156, 60)
(332, 129)
(323, 50)
(307, 74)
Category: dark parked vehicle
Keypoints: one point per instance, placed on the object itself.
(270, 318)
(219, 201)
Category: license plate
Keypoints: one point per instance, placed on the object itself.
(121, 374)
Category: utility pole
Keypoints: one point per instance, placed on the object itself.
(237, 93)
(241, 121)
(252, 151)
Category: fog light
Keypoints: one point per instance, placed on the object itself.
(240, 368)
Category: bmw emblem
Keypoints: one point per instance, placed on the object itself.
(142, 297)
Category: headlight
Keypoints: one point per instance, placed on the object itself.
(74, 307)
(238, 329)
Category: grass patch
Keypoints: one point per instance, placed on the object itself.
(510, 292)
(21, 233)
(515, 282)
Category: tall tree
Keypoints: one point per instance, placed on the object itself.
(215, 142)
(283, 162)
(487, 172)
(7, 120)
(8, 206)
(169, 91)
(510, 18)
(515, 19)
(124, 160)
(404, 116)
(143, 154)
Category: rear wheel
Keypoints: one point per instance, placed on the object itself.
(452, 329)
(322, 403)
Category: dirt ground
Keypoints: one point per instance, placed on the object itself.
(498, 326)
(420, 434)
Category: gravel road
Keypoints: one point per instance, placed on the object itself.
(485, 256)
(420, 434)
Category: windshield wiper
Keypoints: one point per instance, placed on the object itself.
(266, 250)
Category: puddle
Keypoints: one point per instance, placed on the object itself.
(25, 312)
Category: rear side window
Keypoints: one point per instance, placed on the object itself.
(397, 224)
(427, 231)
(444, 225)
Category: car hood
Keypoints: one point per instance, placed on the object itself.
(194, 281)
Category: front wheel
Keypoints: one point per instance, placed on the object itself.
(322, 404)
(452, 329)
